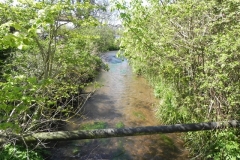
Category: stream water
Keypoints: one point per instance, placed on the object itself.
(124, 100)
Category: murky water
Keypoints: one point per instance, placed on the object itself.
(123, 100)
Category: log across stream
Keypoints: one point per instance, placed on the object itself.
(121, 132)
(124, 100)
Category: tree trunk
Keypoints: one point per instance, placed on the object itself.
(121, 132)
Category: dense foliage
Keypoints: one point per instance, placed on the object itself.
(16, 152)
(48, 55)
(190, 51)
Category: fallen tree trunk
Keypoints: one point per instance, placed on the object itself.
(121, 132)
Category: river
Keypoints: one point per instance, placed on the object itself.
(124, 100)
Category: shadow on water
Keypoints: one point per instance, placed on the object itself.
(106, 109)
(124, 100)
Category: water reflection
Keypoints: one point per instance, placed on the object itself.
(123, 100)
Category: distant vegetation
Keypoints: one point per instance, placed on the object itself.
(190, 52)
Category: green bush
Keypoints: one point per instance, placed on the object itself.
(103, 38)
(190, 51)
(49, 68)
(15, 152)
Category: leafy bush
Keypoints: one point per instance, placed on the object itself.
(18, 153)
(50, 66)
(190, 51)
(102, 38)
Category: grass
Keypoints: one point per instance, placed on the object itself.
(139, 115)
(95, 125)
(168, 141)
(167, 110)
(119, 125)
